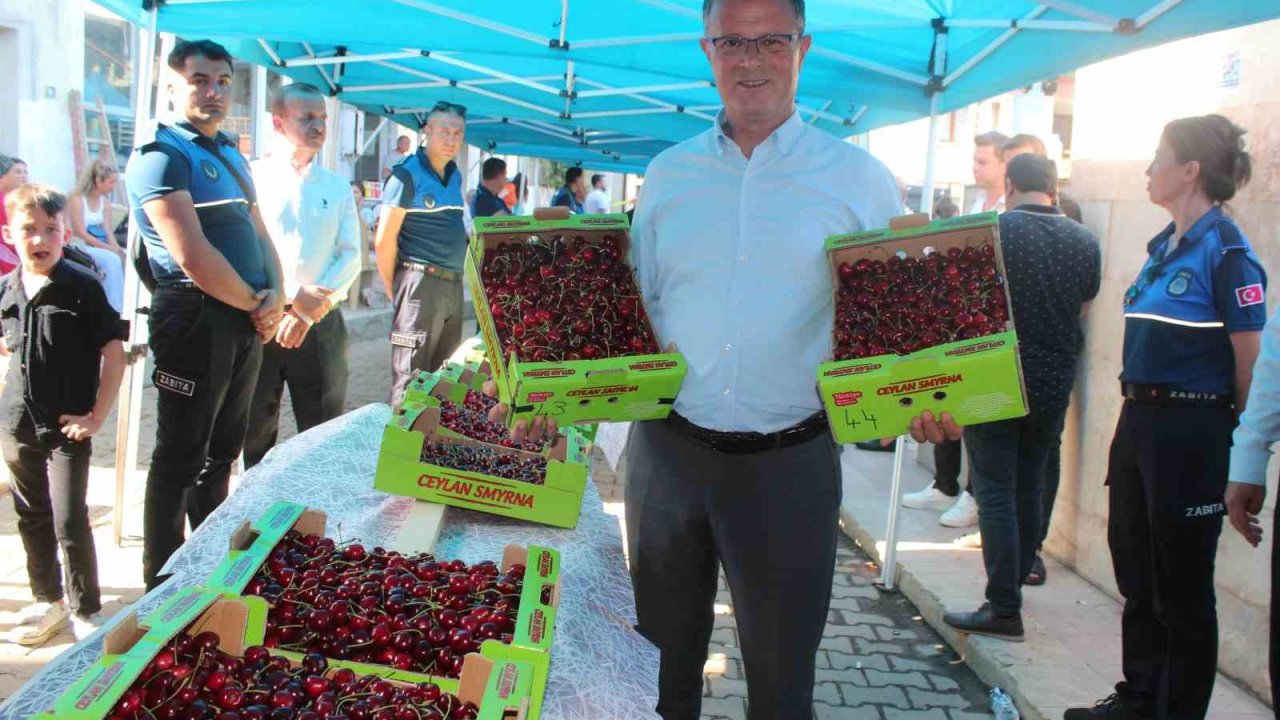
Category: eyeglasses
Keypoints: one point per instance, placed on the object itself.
(456, 109)
(770, 44)
(1144, 281)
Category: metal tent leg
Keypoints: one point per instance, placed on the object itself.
(889, 559)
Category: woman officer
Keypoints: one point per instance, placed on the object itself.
(1192, 325)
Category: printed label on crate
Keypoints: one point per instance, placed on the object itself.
(932, 382)
(546, 563)
(284, 516)
(652, 365)
(243, 566)
(852, 370)
(847, 398)
(180, 607)
(603, 391)
(101, 684)
(485, 492)
(537, 397)
(550, 373)
(537, 625)
(507, 682)
(980, 347)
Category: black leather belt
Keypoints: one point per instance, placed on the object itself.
(429, 269)
(742, 443)
(1162, 395)
(180, 287)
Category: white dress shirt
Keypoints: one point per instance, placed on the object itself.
(980, 204)
(313, 224)
(729, 255)
(597, 202)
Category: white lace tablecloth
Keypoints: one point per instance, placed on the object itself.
(601, 668)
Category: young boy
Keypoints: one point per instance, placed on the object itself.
(68, 359)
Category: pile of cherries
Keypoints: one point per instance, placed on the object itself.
(479, 402)
(487, 461)
(907, 304)
(410, 612)
(566, 299)
(192, 679)
(475, 424)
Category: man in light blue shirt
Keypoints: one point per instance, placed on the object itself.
(1258, 430)
(728, 248)
(311, 215)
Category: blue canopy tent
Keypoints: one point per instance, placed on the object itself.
(602, 81)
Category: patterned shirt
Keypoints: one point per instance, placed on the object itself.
(1055, 267)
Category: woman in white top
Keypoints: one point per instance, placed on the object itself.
(91, 226)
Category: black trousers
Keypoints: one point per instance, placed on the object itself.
(1167, 477)
(946, 463)
(207, 357)
(316, 373)
(50, 480)
(770, 519)
(426, 327)
(1052, 478)
(1007, 462)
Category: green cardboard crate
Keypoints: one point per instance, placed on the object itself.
(131, 645)
(978, 380)
(252, 543)
(638, 387)
(401, 471)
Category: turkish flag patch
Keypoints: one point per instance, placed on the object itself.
(1250, 295)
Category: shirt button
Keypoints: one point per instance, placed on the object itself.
(743, 257)
(726, 391)
(728, 347)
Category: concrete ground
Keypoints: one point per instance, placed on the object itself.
(878, 659)
(1071, 656)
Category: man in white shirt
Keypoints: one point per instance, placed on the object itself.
(988, 172)
(728, 248)
(598, 199)
(311, 214)
(402, 151)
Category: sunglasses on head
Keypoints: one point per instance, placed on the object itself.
(456, 109)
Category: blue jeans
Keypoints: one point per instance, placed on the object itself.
(1007, 461)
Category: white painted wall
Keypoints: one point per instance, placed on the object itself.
(42, 51)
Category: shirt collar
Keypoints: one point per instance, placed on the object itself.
(449, 167)
(283, 163)
(189, 132)
(783, 139)
(1039, 209)
(1192, 235)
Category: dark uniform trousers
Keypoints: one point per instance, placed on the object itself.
(426, 327)
(770, 519)
(1275, 614)
(316, 373)
(1167, 477)
(207, 357)
(50, 480)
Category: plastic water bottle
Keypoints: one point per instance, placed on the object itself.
(1002, 705)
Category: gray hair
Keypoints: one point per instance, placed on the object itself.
(796, 5)
(293, 91)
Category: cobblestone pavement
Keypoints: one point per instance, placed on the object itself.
(878, 659)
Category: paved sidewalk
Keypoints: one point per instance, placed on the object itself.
(1071, 656)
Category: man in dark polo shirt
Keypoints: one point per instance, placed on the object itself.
(493, 178)
(1054, 269)
(218, 297)
(573, 192)
(421, 243)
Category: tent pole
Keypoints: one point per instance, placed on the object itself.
(931, 159)
(889, 559)
(129, 413)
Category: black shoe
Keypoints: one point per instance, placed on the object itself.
(1113, 707)
(874, 446)
(984, 621)
(1038, 574)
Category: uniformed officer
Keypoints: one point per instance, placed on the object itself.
(421, 243)
(217, 298)
(1192, 325)
(312, 218)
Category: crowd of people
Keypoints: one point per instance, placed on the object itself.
(248, 261)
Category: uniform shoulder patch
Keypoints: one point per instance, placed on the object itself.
(1249, 295)
(1230, 237)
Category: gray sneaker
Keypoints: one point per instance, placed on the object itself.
(83, 627)
(54, 621)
